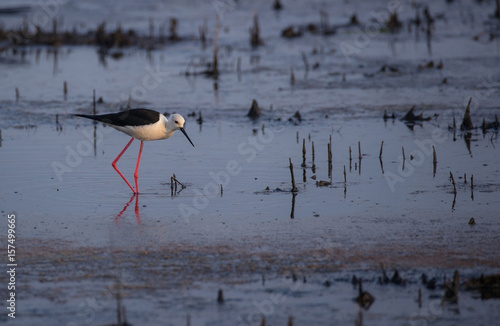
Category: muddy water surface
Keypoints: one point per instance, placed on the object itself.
(83, 238)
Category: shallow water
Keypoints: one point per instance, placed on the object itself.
(80, 232)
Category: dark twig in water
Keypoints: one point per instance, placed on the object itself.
(381, 149)
(472, 187)
(350, 159)
(220, 297)
(434, 161)
(453, 182)
(304, 58)
(313, 152)
(330, 158)
(313, 167)
(93, 102)
(255, 39)
(303, 153)
(411, 117)
(276, 6)
(364, 299)
(467, 121)
(294, 189)
(345, 177)
(451, 293)
(216, 49)
(254, 111)
(359, 150)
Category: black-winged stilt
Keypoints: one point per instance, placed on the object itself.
(144, 125)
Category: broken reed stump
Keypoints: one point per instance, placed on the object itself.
(451, 293)
(304, 58)
(381, 149)
(221, 190)
(254, 111)
(467, 121)
(65, 88)
(216, 49)
(292, 76)
(472, 187)
(313, 152)
(330, 155)
(364, 299)
(277, 5)
(359, 150)
(17, 94)
(255, 39)
(294, 189)
(220, 297)
(203, 30)
(453, 182)
(345, 176)
(93, 101)
(434, 161)
(330, 158)
(303, 153)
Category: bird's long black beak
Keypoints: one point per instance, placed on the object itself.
(185, 134)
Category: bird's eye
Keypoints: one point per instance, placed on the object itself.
(176, 121)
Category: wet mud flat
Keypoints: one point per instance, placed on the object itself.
(225, 285)
(394, 187)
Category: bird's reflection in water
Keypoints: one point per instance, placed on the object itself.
(137, 213)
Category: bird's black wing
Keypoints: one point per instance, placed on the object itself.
(134, 117)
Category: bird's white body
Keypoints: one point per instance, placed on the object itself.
(162, 129)
(155, 131)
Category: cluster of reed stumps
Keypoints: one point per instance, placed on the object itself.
(410, 118)
(487, 286)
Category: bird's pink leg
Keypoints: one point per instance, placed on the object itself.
(116, 168)
(136, 174)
